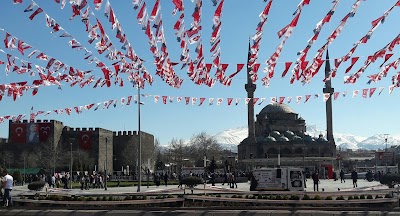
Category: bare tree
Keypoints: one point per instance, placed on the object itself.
(202, 145)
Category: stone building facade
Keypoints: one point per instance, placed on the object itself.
(280, 131)
(103, 147)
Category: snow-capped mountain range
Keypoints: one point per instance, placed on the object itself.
(230, 138)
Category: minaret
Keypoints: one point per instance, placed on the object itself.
(250, 88)
(328, 89)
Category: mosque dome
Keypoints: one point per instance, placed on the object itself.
(308, 138)
(275, 134)
(288, 134)
(283, 139)
(276, 108)
(297, 138)
(270, 139)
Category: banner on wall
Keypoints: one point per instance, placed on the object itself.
(18, 133)
(32, 133)
(44, 131)
(85, 140)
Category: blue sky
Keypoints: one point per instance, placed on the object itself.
(360, 116)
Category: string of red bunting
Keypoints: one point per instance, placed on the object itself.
(366, 93)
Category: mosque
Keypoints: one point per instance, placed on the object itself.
(277, 137)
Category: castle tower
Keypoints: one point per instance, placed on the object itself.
(250, 88)
(328, 89)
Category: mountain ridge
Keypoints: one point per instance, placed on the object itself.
(230, 138)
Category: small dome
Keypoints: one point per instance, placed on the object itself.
(288, 134)
(297, 138)
(275, 134)
(260, 139)
(270, 139)
(283, 139)
(321, 139)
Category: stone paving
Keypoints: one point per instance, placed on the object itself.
(326, 185)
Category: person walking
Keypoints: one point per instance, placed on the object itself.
(315, 178)
(166, 179)
(342, 177)
(354, 176)
(8, 181)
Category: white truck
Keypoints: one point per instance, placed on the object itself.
(285, 178)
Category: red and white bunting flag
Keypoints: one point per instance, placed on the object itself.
(298, 99)
(229, 101)
(247, 101)
(326, 96)
(202, 101)
(77, 110)
(164, 99)
(37, 11)
(281, 100)
(219, 101)
(178, 99)
(371, 91)
(344, 93)
(97, 4)
(68, 111)
(381, 90)
(156, 98)
(307, 97)
(287, 66)
(142, 14)
(194, 100)
(353, 61)
(171, 99)
(355, 93)
(210, 101)
(262, 100)
(155, 10)
(365, 93)
(97, 107)
(89, 106)
(391, 88)
(273, 100)
(122, 101)
(187, 100)
(289, 99)
(129, 100)
(237, 101)
(335, 95)
(255, 101)
(47, 113)
(135, 99)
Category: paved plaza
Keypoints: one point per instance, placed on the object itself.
(325, 185)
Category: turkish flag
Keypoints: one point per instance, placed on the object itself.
(18, 133)
(44, 131)
(85, 140)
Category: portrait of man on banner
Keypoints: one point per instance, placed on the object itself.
(32, 135)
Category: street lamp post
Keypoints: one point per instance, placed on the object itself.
(140, 143)
(70, 166)
(386, 139)
(24, 168)
(105, 167)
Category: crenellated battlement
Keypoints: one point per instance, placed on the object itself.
(69, 129)
(125, 133)
(55, 122)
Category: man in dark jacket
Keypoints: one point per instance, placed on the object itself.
(342, 177)
(315, 178)
(354, 176)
